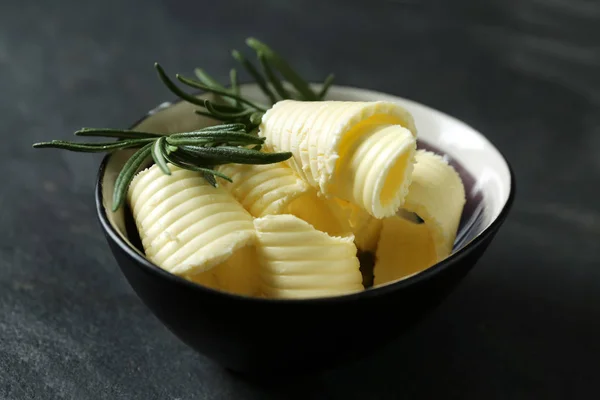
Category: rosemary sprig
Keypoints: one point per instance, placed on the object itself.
(284, 68)
(260, 80)
(230, 105)
(233, 154)
(234, 141)
(275, 82)
(117, 133)
(200, 150)
(94, 147)
(199, 85)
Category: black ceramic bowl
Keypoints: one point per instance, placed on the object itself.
(258, 336)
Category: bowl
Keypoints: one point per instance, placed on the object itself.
(259, 336)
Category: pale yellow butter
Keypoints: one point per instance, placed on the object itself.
(297, 261)
(362, 225)
(404, 248)
(188, 227)
(437, 196)
(361, 152)
(274, 189)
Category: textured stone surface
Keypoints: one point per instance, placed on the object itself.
(524, 323)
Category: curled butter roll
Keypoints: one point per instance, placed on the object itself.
(274, 189)
(361, 152)
(437, 196)
(297, 261)
(193, 229)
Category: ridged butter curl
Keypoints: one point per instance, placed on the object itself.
(437, 196)
(361, 152)
(193, 229)
(297, 261)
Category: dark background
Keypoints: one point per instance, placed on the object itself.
(525, 322)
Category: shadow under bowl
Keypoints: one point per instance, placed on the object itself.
(258, 336)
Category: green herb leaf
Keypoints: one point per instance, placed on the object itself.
(222, 127)
(282, 66)
(175, 89)
(199, 85)
(186, 162)
(273, 78)
(127, 173)
(260, 81)
(158, 155)
(213, 110)
(256, 118)
(210, 178)
(93, 147)
(209, 115)
(116, 133)
(224, 108)
(326, 85)
(238, 155)
(209, 81)
(198, 138)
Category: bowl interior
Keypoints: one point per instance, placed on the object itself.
(484, 171)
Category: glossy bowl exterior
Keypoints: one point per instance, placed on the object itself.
(265, 336)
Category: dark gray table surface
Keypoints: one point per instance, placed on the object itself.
(523, 324)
